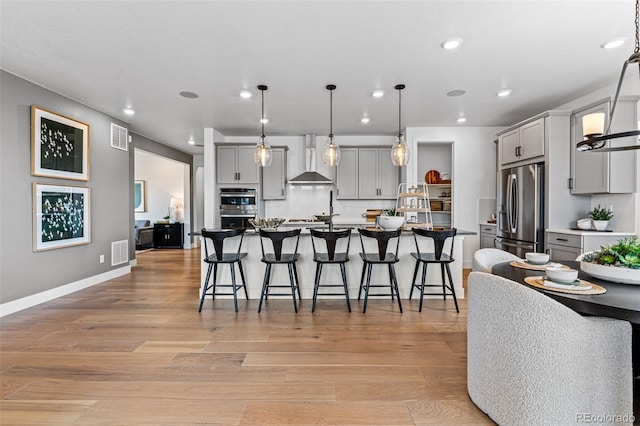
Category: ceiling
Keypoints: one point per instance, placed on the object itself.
(113, 54)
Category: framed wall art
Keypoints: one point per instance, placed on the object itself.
(61, 216)
(139, 196)
(59, 146)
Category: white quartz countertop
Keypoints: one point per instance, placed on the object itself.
(586, 232)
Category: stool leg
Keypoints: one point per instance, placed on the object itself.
(343, 272)
(364, 268)
(204, 286)
(316, 285)
(424, 280)
(265, 285)
(244, 282)
(293, 287)
(233, 285)
(392, 271)
(415, 275)
(366, 290)
(453, 291)
(295, 275)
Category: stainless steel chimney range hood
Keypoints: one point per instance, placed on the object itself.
(310, 176)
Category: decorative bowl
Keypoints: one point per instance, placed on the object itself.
(584, 224)
(390, 222)
(537, 258)
(561, 275)
(616, 274)
(271, 222)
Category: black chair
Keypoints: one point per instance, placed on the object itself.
(217, 239)
(278, 257)
(381, 257)
(438, 257)
(330, 256)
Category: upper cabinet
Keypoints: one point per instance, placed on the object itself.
(594, 172)
(235, 164)
(274, 177)
(522, 143)
(366, 173)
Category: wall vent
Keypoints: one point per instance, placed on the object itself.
(119, 252)
(119, 137)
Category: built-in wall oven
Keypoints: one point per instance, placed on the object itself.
(237, 206)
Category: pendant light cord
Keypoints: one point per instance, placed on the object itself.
(637, 48)
(399, 113)
(262, 117)
(331, 115)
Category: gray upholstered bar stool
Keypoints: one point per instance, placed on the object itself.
(217, 239)
(329, 256)
(379, 257)
(277, 257)
(437, 257)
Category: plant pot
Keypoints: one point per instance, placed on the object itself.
(390, 222)
(600, 225)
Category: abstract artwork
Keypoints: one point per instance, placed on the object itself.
(59, 146)
(61, 216)
(139, 196)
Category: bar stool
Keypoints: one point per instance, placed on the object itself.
(219, 256)
(278, 257)
(382, 257)
(439, 238)
(330, 256)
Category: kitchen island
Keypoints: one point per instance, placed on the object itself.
(254, 268)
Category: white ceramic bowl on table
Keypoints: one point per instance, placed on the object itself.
(561, 275)
(390, 222)
(537, 258)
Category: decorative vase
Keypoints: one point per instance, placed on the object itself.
(600, 225)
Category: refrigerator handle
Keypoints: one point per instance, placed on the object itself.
(509, 202)
(514, 203)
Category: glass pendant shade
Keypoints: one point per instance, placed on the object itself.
(263, 154)
(593, 124)
(331, 154)
(400, 152)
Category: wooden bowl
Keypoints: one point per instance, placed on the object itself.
(432, 176)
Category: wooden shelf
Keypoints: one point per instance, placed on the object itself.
(412, 209)
(411, 194)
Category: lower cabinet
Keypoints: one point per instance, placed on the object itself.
(487, 235)
(168, 235)
(561, 246)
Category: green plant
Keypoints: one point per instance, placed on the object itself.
(166, 217)
(392, 212)
(601, 213)
(625, 253)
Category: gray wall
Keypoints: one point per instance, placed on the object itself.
(22, 271)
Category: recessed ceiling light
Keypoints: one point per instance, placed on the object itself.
(129, 111)
(264, 120)
(612, 44)
(504, 92)
(462, 120)
(451, 43)
(245, 94)
(377, 93)
(365, 120)
(457, 92)
(191, 141)
(188, 95)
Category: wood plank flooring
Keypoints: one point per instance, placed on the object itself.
(136, 351)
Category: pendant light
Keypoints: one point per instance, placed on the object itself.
(595, 137)
(400, 150)
(331, 154)
(262, 154)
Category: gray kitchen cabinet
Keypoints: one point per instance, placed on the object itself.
(235, 164)
(487, 235)
(274, 177)
(567, 246)
(377, 176)
(347, 174)
(522, 143)
(604, 172)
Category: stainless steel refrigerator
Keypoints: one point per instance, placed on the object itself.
(520, 207)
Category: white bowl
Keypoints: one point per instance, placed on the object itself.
(537, 258)
(615, 274)
(390, 222)
(584, 224)
(561, 275)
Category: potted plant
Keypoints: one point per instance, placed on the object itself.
(601, 217)
(391, 219)
(619, 262)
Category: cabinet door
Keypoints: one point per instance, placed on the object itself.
(247, 168)
(226, 164)
(532, 139)
(274, 176)
(562, 253)
(388, 178)
(509, 144)
(368, 173)
(487, 240)
(347, 174)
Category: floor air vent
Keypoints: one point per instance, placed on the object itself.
(119, 252)
(119, 137)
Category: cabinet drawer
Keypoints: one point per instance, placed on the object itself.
(485, 229)
(564, 239)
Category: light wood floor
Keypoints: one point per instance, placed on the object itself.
(135, 350)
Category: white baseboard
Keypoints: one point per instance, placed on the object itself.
(63, 290)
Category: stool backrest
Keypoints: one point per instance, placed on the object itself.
(330, 238)
(382, 237)
(439, 238)
(277, 237)
(217, 237)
